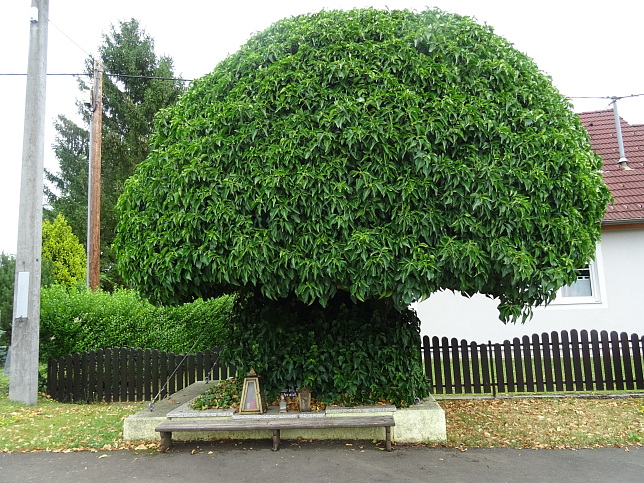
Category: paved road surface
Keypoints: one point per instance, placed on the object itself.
(326, 461)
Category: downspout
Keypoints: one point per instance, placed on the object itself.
(623, 162)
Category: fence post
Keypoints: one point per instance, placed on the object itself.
(597, 361)
(617, 361)
(492, 368)
(438, 367)
(538, 364)
(638, 353)
(586, 359)
(547, 361)
(576, 359)
(477, 362)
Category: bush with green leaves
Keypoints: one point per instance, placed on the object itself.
(77, 319)
(7, 276)
(349, 353)
(379, 154)
(63, 251)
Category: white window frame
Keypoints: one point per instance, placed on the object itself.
(597, 284)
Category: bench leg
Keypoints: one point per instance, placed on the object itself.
(276, 439)
(166, 441)
(388, 437)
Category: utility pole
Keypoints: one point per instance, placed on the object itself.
(23, 384)
(94, 191)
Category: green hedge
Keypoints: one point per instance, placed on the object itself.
(74, 320)
(351, 353)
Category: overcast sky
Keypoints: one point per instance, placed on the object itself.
(589, 48)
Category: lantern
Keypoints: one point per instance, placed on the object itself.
(253, 400)
(304, 396)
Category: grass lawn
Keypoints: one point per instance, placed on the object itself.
(515, 423)
(52, 426)
(544, 423)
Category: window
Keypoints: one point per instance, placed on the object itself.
(583, 287)
(585, 290)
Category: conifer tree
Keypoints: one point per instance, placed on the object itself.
(136, 85)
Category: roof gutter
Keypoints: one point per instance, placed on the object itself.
(635, 222)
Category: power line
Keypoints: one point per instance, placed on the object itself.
(614, 98)
(148, 77)
(130, 76)
(70, 39)
(113, 75)
(9, 74)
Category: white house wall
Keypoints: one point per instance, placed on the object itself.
(621, 259)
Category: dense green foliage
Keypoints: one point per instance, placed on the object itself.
(61, 247)
(7, 277)
(342, 165)
(137, 83)
(78, 319)
(347, 352)
(66, 191)
(383, 154)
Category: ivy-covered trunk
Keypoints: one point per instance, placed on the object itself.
(351, 353)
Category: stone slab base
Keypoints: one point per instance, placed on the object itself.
(424, 422)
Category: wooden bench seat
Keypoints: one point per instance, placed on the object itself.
(275, 424)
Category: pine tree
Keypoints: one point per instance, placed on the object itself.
(136, 85)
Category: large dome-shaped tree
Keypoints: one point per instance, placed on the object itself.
(364, 157)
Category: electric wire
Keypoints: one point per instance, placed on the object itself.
(70, 39)
(179, 79)
(129, 76)
(109, 74)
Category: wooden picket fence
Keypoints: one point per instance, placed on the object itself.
(555, 362)
(128, 375)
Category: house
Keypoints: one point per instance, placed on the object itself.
(609, 292)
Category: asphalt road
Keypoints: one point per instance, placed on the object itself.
(326, 461)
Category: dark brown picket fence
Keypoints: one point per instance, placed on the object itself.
(128, 375)
(565, 361)
(555, 362)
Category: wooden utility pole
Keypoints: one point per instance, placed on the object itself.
(25, 333)
(94, 183)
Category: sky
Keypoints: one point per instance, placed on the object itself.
(589, 48)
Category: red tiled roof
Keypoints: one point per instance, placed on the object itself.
(626, 186)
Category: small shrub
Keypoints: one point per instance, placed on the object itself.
(222, 395)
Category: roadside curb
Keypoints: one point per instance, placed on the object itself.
(538, 396)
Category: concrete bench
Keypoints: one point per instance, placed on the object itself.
(276, 424)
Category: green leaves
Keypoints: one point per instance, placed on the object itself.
(382, 154)
(61, 247)
(77, 319)
(347, 353)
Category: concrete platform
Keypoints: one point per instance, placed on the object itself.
(424, 422)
